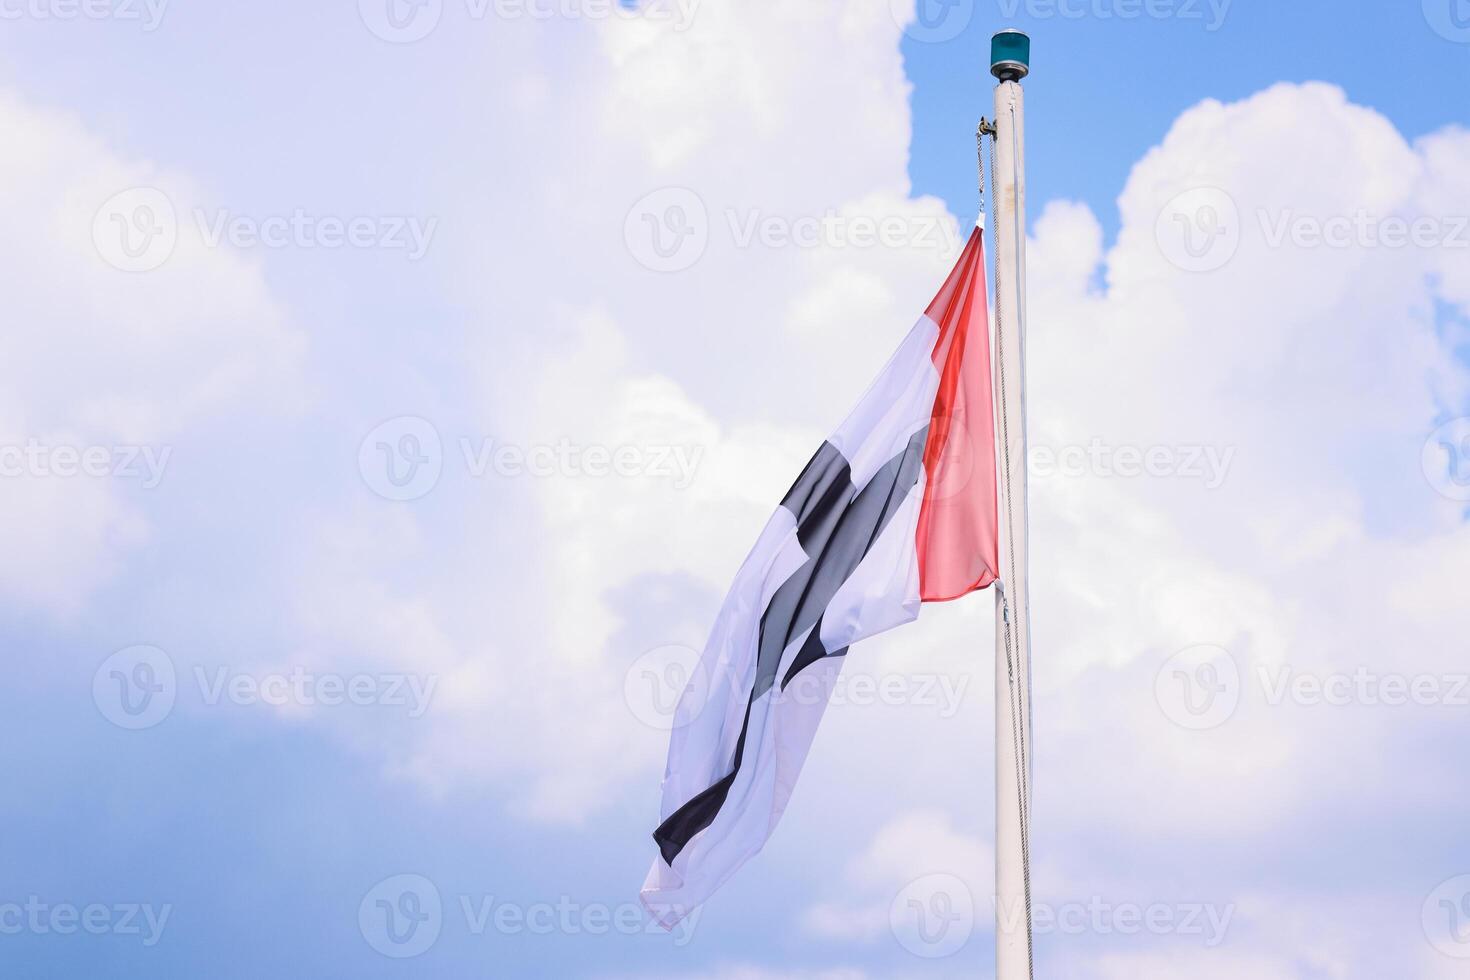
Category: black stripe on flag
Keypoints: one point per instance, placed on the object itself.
(836, 525)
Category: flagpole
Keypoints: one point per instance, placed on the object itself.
(1010, 59)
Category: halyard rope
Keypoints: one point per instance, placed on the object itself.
(980, 162)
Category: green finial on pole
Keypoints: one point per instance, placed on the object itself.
(1010, 56)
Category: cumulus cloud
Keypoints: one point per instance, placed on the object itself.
(1317, 370)
(616, 355)
(908, 848)
(95, 356)
(1289, 388)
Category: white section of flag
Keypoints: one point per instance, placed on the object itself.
(882, 592)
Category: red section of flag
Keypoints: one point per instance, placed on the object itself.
(957, 535)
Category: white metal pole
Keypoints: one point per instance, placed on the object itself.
(1013, 948)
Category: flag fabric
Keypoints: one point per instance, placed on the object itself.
(897, 508)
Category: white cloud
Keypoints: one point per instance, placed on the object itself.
(1201, 964)
(1323, 550)
(750, 972)
(614, 355)
(909, 847)
(1320, 370)
(92, 356)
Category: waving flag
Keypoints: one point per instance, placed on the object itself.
(896, 509)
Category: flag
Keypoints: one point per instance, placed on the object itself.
(897, 508)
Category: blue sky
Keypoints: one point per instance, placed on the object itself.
(260, 832)
(1104, 89)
